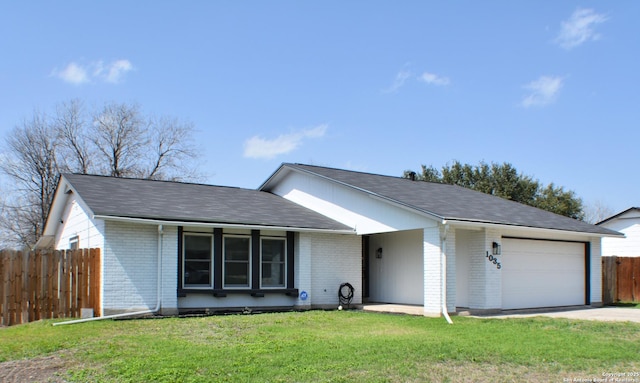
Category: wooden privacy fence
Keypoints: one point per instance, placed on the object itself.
(620, 279)
(45, 284)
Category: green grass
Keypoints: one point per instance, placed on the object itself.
(336, 346)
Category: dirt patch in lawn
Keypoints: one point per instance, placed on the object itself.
(50, 369)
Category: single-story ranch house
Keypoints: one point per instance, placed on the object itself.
(176, 247)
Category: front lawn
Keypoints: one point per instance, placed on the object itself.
(335, 346)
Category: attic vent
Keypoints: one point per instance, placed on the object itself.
(412, 176)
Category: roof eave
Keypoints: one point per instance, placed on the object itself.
(617, 215)
(541, 230)
(173, 222)
(273, 176)
(56, 209)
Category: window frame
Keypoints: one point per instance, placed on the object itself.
(284, 263)
(74, 242)
(217, 289)
(249, 262)
(184, 261)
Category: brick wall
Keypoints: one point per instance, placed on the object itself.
(477, 268)
(596, 271)
(451, 270)
(335, 259)
(493, 275)
(129, 274)
(302, 271)
(169, 270)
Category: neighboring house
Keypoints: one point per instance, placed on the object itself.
(628, 223)
(307, 229)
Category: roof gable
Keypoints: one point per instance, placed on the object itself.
(446, 202)
(186, 202)
(632, 212)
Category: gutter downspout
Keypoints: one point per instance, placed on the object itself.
(123, 315)
(443, 270)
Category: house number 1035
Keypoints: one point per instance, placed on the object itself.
(493, 260)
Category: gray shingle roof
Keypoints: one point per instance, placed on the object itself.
(185, 202)
(452, 202)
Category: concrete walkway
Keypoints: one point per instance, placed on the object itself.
(393, 308)
(617, 314)
(609, 314)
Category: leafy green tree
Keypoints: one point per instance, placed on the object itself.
(503, 180)
(556, 199)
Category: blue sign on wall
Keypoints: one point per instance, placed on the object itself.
(304, 295)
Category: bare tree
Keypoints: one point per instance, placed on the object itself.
(30, 162)
(597, 211)
(117, 140)
(75, 150)
(171, 149)
(118, 133)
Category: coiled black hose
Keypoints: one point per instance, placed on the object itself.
(345, 294)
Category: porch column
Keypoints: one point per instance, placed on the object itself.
(432, 271)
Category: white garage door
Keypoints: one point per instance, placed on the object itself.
(542, 273)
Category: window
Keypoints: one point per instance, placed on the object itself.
(273, 262)
(237, 261)
(197, 260)
(74, 243)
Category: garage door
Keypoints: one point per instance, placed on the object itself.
(542, 273)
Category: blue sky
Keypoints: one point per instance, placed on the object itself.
(381, 87)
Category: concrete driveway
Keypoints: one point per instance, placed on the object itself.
(614, 314)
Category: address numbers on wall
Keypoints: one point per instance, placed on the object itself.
(493, 259)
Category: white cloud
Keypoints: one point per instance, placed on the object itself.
(259, 147)
(117, 69)
(398, 82)
(542, 91)
(73, 73)
(579, 28)
(434, 79)
(113, 72)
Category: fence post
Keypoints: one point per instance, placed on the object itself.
(608, 280)
(4, 288)
(95, 278)
(74, 283)
(32, 287)
(635, 275)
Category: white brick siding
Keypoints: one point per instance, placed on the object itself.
(129, 267)
(484, 285)
(451, 270)
(302, 267)
(322, 263)
(596, 271)
(493, 275)
(477, 269)
(335, 259)
(169, 304)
